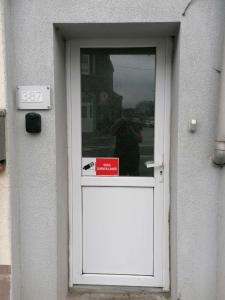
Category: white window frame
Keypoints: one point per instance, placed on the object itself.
(163, 46)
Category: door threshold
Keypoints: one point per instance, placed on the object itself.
(116, 292)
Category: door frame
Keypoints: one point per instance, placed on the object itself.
(164, 53)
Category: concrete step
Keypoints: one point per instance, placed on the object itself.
(104, 294)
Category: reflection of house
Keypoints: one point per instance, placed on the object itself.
(87, 113)
(101, 106)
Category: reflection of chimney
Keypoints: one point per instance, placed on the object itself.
(105, 70)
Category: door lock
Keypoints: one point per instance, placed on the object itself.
(153, 164)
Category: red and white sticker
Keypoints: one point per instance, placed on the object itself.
(107, 166)
(100, 166)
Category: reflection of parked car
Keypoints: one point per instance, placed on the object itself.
(149, 123)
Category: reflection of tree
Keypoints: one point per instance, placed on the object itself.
(146, 108)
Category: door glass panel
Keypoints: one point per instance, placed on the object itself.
(118, 105)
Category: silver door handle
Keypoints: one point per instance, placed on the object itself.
(153, 164)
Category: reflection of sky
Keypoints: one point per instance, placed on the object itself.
(134, 78)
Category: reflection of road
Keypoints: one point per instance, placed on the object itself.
(146, 151)
(104, 147)
(147, 145)
(148, 136)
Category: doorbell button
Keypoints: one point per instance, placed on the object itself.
(193, 125)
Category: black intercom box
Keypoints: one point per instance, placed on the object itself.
(33, 122)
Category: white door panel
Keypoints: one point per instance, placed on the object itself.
(118, 230)
(119, 224)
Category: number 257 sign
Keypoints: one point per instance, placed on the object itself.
(31, 96)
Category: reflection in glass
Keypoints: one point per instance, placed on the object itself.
(118, 103)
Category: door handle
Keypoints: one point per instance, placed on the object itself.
(153, 164)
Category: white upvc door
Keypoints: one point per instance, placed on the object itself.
(119, 232)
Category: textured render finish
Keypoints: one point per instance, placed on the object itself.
(61, 162)
(37, 205)
(221, 232)
(198, 181)
(12, 157)
(221, 240)
(173, 163)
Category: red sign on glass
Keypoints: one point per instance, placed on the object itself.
(107, 166)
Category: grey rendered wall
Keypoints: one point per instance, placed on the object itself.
(198, 181)
(12, 155)
(221, 239)
(221, 235)
(173, 162)
(39, 190)
(61, 164)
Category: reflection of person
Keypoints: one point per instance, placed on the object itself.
(108, 110)
(128, 136)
